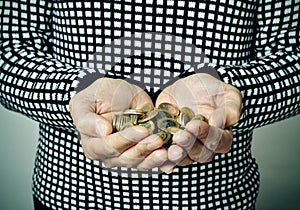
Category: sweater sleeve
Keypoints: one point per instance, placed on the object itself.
(33, 82)
(270, 84)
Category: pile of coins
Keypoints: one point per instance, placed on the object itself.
(158, 120)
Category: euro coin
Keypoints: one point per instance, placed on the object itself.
(164, 123)
(133, 111)
(150, 125)
(150, 115)
(126, 125)
(199, 117)
(185, 116)
(147, 108)
(172, 130)
(170, 108)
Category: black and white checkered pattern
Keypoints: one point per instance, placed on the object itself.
(45, 46)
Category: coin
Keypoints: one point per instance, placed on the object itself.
(126, 125)
(134, 119)
(199, 117)
(185, 115)
(133, 111)
(150, 115)
(165, 120)
(150, 125)
(114, 121)
(172, 130)
(162, 135)
(164, 123)
(147, 108)
(170, 108)
(119, 121)
(168, 141)
(163, 114)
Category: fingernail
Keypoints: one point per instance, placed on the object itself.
(175, 151)
(160, 159)
(168, 167)
(169, 170)
(173, 130)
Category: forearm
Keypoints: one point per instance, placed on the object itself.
(269, 86)
(35, 84)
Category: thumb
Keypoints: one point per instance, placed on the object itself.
(94, 125)
(165, 97)
(225, 116)
(140, 98)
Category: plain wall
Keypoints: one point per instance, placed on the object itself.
(276, 148)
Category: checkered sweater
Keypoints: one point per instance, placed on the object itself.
(253, 45)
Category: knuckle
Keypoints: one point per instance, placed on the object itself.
(108, 164)
(194, 157)
(140, 151)
(205, 156)
(87, 152)
(225, 147)
(89, 155)
(111, 153)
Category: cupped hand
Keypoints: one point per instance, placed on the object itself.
(219, 102)
(92, 110)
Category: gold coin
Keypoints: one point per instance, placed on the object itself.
(170, 108)
(185, 116)
(122, 120)
(168, 141)
(162, 135)
(150, 115)
(126, 125)
(133, 111)
(172, 130)
(134, 119)
(199, 117)
(115, 119)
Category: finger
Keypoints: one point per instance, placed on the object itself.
(136, 154)
(226, 141)
(218, 118)
(113, 145)
(168, 167)
(186, 161)
(80, 105)
(194, 148)
(166, 96)
(140, 98)
(225, 115)
(233, 105)
(176, 153)
(228, 109)
(94, 125)
(155, 159)
(214, 139)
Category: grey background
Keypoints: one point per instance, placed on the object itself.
(276, 148)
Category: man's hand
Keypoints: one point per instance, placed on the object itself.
(219, 102)
(92, 110)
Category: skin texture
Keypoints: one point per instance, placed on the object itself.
(92, 110)
(219, 102)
